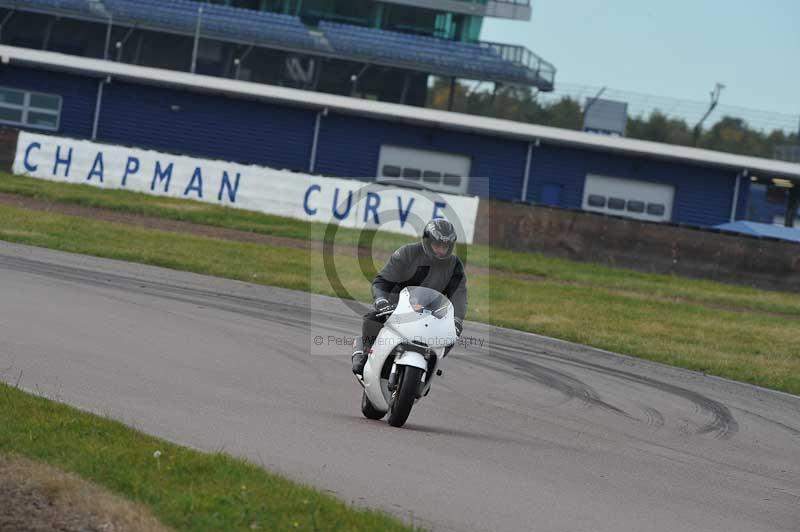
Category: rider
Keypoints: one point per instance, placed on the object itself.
(430, 263)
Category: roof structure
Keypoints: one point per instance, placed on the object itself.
(502, 63)
(761, 230)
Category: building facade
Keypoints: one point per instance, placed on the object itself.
(337, 136)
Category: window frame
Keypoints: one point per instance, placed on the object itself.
(26, 108)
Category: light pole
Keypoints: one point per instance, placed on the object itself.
(592, 101)
(714, 101)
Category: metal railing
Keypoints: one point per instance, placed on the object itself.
(519, 55)
(531, 68)
(513, 9)
(525, 3)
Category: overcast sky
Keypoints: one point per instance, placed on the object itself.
(672, 48)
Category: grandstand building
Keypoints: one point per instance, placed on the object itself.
(388, 50)
(133, 73)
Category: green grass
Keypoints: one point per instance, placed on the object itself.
(180, 209)
(184, 488)
(744, 334)
(546, 269)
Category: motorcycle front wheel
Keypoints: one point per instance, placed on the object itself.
(406, 393)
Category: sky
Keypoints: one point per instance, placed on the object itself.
(670, 48)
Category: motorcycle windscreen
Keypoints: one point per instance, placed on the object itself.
(425, 317)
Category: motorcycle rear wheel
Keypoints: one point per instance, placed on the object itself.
(369, 411)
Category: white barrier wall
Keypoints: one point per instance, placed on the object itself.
(348, 202)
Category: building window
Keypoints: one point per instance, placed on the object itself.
(10, 115)
(655, 209)
(617, 204)
(452, 180)
(412, 173)
(416, 174)
(29, 109)
(11, 97)
(389, 170)
(431, 177)
(635, 206)
(595, 200)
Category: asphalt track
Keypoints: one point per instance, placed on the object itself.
(524, 433)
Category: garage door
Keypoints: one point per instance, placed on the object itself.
(628, 197)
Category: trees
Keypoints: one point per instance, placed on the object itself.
(728, 134)
(660, 128)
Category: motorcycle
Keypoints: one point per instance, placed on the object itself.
(406, 354)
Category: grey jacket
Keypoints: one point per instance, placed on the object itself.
(410, 266)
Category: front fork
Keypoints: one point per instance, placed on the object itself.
(425, 384)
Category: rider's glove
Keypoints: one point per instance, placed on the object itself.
(383, 306)
(459, 327)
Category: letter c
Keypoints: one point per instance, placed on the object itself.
(28, 166)
(309, 210)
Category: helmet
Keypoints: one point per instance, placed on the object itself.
(438, 231)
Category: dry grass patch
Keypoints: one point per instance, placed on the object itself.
(183, 205)
(9, 233)
(36, 496)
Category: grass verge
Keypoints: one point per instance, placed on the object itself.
(501, 262)
(743, 334)
(184, 489)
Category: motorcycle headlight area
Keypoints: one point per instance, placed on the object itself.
(418, 347)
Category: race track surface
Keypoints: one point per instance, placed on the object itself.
(524, 433)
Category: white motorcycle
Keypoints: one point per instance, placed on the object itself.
(407, 353)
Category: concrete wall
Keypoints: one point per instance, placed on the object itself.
(644, 246)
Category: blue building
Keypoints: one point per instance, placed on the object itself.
(334, 135)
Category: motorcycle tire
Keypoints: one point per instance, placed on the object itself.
(407, 389)
(369, 411)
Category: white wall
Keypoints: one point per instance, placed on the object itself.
(282, 193)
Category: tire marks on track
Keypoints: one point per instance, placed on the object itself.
(720, 422)
(509, 357)
(282, 313)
